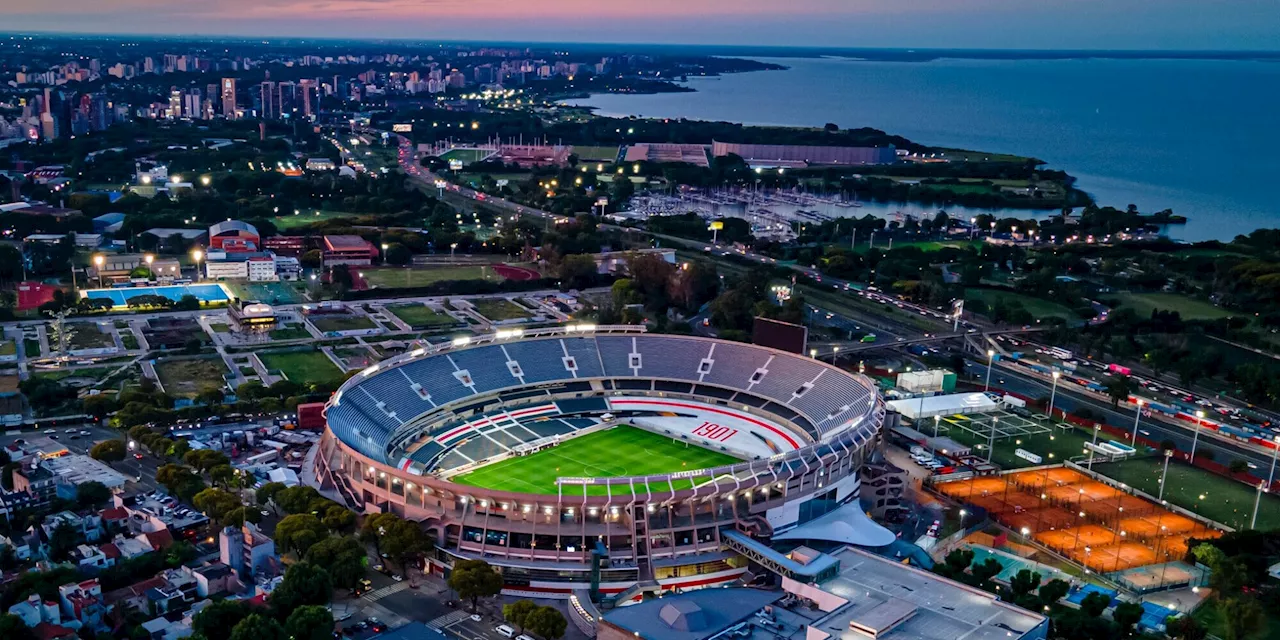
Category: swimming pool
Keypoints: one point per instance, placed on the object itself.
(209, 292)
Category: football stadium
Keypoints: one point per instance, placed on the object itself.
(605, 457)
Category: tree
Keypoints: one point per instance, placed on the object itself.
(1053, 591)
(1238, 466)
(216, 503)
(216, 621)
(63, 539)
(1125, 615)
(1185, 628)
(289, 532)
(303, 584)
(310, 622)
(984, 571)
(547, 622)
(1118, 388)
(475, 579)
(343, 557)
(296, 499)
(108, 450)
(404, 540)
(577, 271)
(258, 627)
(13, 628)
(223, 475)
(957, 562)
(1094, 604)
(92, 494)
(518, 612)
(1241, 616)
(268, 491)
(1024, 582)
(339, 519)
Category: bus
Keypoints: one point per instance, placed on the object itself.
(870, 337)
(1059, 353)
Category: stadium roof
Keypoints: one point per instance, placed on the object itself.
(930, 406)
(695, 615)
(229, 226)
(846, 525)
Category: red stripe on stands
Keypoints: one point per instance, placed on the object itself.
(713, 410)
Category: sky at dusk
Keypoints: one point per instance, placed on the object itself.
(1046, 24)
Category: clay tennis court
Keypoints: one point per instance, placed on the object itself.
(1117, 531)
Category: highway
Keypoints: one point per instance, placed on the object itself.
(1070, 397)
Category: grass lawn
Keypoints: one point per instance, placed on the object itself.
(399, 278)
(1189, 308)
(923, 245)
(302, 366)
(290, 332)
(268, 292)
(187, 378)
(595, 154)
(342, 323)
(88, 336)
(129, 340)
(305, 218)
(1225, 500)
(219, 327)
(420, 315)
(31, 347)
(499, 309)
(1036, 307)
(1054, 447)
(95, 373)
(620, 451)
(8, 348)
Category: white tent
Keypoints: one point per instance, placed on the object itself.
(846, 525)
(930, 406)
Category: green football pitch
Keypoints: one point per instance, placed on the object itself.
(620, 451)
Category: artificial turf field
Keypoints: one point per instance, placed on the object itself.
(620, 451)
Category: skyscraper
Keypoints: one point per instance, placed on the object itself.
(268, 103)
(229, 98)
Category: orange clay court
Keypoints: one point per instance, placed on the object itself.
(1117, 532)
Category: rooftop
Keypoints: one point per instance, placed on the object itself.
(898, 602)
(78, 469)
(347, 242)
(695, 615)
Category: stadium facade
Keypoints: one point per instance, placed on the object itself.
(403, 435)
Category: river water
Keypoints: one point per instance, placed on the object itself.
(1200, 137)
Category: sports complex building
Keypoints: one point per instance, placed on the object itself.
(605, 457)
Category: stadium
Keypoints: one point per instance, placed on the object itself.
(605, 457)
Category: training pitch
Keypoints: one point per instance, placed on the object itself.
(620, 451)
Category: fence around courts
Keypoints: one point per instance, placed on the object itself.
(1099, 524)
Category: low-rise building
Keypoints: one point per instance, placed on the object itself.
(82, 601)
(34, 611)
(247, 550)
(348, 250)
(214, 579)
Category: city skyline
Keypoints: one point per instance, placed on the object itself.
(999, 24)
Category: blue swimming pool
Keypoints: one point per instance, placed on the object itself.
(210, 292)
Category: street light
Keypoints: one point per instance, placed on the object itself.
(1053, 394)
(1168, 453)
(1137, 415)
(197, 255)
(991, 356)
(98, 261)
(204, 180)
(1196, 438)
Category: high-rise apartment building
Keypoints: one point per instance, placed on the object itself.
(229, 110)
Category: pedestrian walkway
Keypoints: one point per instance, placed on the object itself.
(448, 619)
(378, 594)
